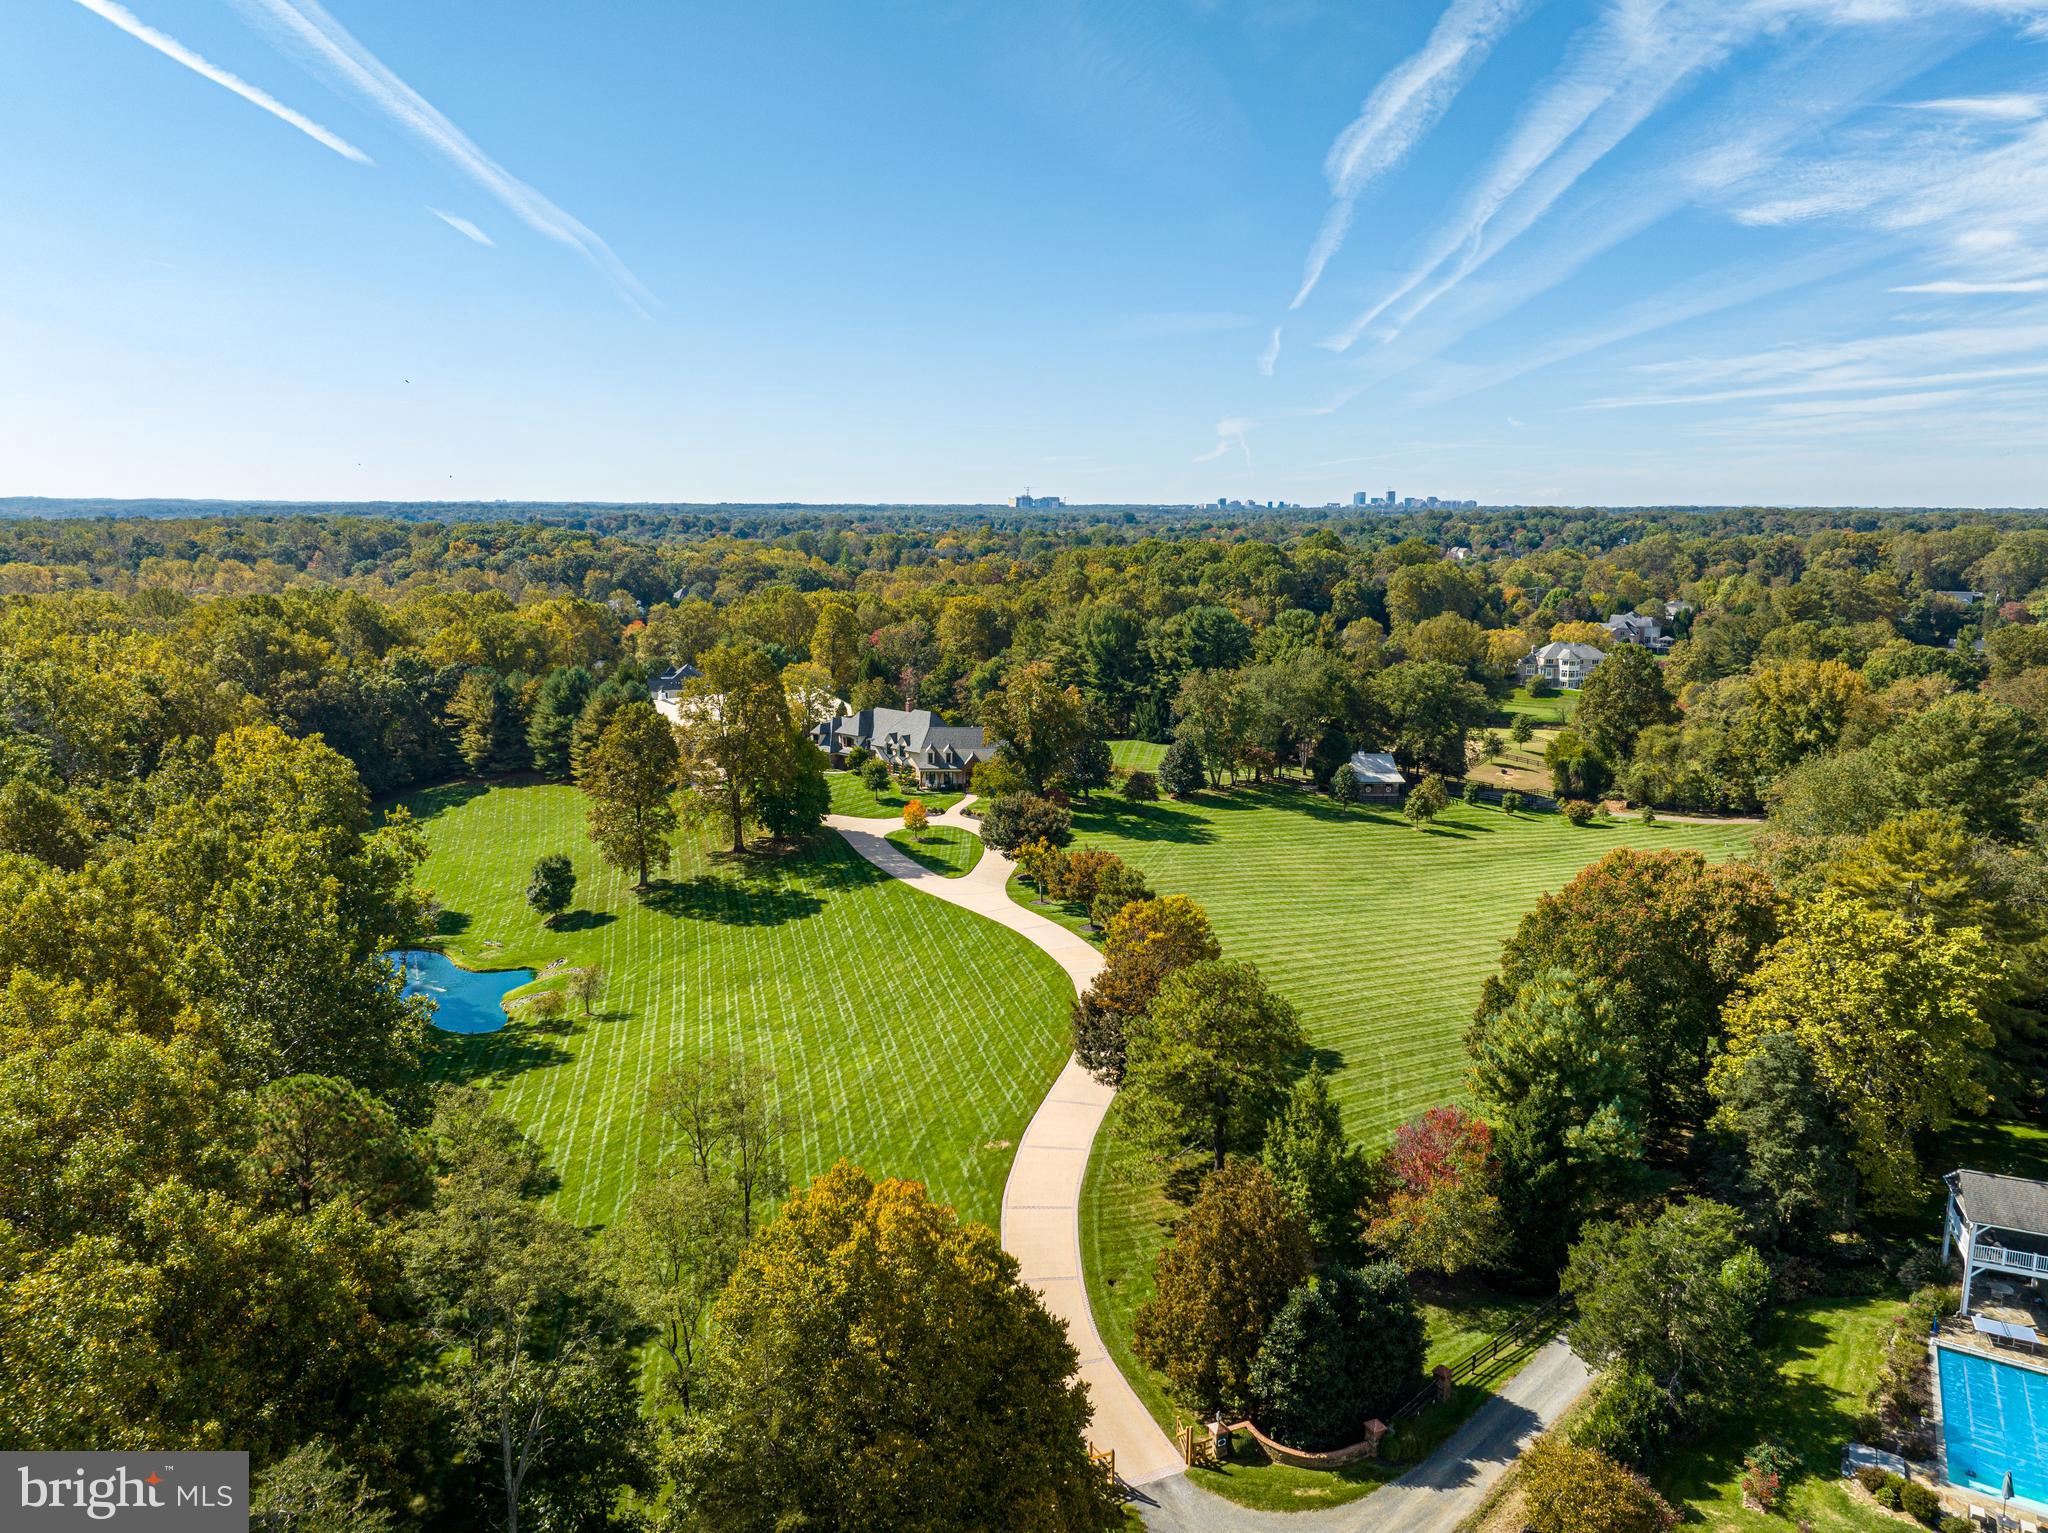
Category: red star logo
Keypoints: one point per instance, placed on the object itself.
(152, 1480)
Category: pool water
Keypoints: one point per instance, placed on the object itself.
(1994, 1421)
(465, 1001)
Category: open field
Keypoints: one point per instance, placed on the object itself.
(945, 849)
(1136, 755)
(910, 1035)
(1379, 934)
(851, 796)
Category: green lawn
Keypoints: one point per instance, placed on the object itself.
(1379, 934)
(851, 796)
(905, 1033)
(945, 849)
(1557, 708)
(1826, 1352)
(1137, 755)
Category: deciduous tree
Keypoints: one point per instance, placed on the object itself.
(1207, 1064)
(629, 782)
(876, 1364)
(551, 887)
(1346, 1347)
(1890, 1010)
(1235, 1256)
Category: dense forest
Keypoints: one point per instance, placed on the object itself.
(232, 1214)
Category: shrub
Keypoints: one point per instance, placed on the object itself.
(1955, 1524)
(1577, 810)
(874, 776)
(998, 776)
(858, 758)
(914, 815)
(1141, 787)
(1016, 818)
(545, 1005)
(1870, 1477)
(1180, 772)
(1887, 1494)
(1920, 1502)
(1116, 887)
(1510, 802)
(1575, 1490)
(1471, 792)
(1629, 1421)
(1345, 1347)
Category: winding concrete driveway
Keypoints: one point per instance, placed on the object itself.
(1042, 1229)
(1042, 1199)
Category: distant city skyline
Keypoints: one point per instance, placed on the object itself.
(1590, 252)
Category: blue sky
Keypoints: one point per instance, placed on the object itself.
(1787, 251)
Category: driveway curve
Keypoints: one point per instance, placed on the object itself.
(1041, 1227)
(1041, 1224)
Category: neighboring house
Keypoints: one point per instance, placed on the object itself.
(1562, 665)
(1963, 598)
(670, 683)
(1674, 610)
(1631, 628)
(1376, 775)
(940, 755)
(666, 692)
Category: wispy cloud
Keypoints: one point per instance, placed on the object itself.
(1958, 286)
(305, 29)
(171, 48)
(462, 226)
(1231, 432)
(1270, 357)
(2007, 108)
(1627, 65)
(1400, 112)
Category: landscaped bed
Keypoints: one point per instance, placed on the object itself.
(851, 796)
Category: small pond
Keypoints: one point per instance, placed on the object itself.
(465, 1001)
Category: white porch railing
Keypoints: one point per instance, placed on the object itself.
(1986, 1254)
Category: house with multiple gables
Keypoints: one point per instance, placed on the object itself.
(1563, 665)
(1633, 628)
(938, 754)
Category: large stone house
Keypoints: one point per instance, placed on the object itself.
(1562, 665)
(938, 754)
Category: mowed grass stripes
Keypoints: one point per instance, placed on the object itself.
(910, 1035)
(1379, 934)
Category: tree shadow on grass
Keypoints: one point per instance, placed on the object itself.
(451, 923)
(1796, 1409)
(729, 902)
(470, 1059)
(1149, 822)
(583, 921)
(430, 803)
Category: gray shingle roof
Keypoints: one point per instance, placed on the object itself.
(2002, 1202)
(913, 734)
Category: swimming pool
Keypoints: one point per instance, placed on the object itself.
(1994, 1422)
(465, 1001)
